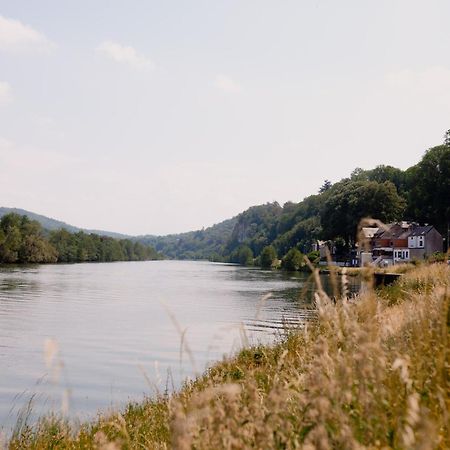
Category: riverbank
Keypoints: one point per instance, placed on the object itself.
(357, 271)
(371, 371)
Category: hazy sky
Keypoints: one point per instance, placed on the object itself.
(166, 116)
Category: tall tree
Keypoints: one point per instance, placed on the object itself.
(429, 188)
(325, 186)
(447, 138)
(268, 256)
(293, 260)
(245, 256)
(350, 201)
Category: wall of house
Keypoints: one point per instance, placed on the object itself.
(401, 254)
(412, 242)
(433, 242)
(417, 253)
(400, 243)
(381, 242)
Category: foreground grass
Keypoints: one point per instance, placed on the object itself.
(371, 372)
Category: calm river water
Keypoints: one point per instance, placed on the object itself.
(114, 332)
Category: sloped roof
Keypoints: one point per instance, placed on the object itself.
(393, 231)
(421, 231)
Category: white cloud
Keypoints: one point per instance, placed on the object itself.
(18, 37)
(227, 84)
(126, 55)
(5, 92)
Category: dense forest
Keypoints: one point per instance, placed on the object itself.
(208, 243)
(420, 193)
(23, 240)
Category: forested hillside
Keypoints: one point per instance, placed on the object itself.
(25, 241)
(420, 193)
(209, 243)
(53, 224)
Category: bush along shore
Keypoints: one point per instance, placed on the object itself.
(371, 371)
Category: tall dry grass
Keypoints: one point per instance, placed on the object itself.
(371, 372)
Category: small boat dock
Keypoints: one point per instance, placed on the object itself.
(385, 279)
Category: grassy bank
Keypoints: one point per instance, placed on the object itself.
(370, 372)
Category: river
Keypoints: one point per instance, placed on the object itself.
(79, 338)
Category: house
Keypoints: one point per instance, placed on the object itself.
(402, 242)
(424, 241)
(390, 244)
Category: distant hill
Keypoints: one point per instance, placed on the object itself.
(53, 224)
(209, 243)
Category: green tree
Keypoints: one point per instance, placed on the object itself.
(9, 250)
(429, 188)
(383, 173)
(66, 245)
(293, 260)
(22, 241)
(325, 186)
(349, 201)
(35, 249)
(359, 174)
(245, 256)
(10, 225)
(268, 256)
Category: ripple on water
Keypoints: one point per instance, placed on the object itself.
(121, 326)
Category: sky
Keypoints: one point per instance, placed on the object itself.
(152, 117)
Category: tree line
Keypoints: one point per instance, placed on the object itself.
(25, 241)
(420, 193)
